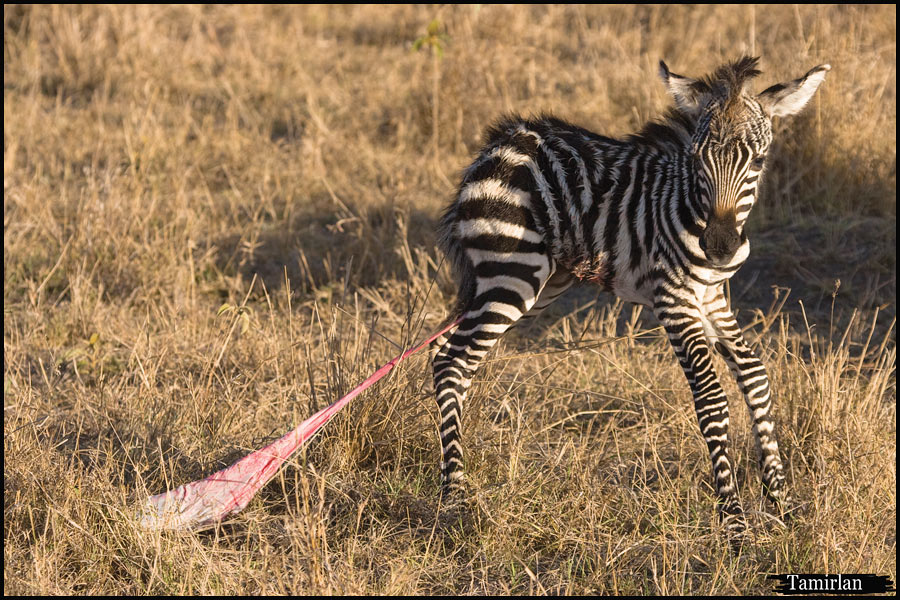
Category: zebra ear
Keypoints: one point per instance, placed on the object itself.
(685, 90)
(789, 98)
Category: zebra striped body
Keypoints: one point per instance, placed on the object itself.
(656, 218)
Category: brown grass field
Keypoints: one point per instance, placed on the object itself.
(291, 163)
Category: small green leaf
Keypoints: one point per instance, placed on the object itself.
(95, 337)
(223, 309)
(433, 38)
(72, 353)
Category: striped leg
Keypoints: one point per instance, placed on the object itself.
(684, 326)
(556, 286)
(751, 377)
(499, 302)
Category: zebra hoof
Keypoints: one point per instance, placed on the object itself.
(738, 536)
(781, 502)
(454, 493)
(456, 505)
(786, 510)
(737, 533)
(736, 528)
(737, 545)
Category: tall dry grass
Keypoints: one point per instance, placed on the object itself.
(162, 161)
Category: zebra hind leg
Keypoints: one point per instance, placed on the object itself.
(555, 287)
(493, 310)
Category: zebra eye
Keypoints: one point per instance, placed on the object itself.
(758, 162)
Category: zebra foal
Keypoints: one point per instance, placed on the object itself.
(656, 218)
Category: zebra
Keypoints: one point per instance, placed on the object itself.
(656, 218)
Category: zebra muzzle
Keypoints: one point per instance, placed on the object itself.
(720, 240)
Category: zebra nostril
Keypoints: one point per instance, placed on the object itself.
(731, 242)
(720, 241)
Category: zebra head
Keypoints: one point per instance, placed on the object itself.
(731, 135)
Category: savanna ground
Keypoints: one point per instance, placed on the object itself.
(290, 164)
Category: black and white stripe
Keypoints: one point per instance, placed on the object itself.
(656, 218)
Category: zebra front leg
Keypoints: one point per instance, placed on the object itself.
(684, 327)
(750, 374)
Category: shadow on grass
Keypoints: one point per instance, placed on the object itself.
(315, 251)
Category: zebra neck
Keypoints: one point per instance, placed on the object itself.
(685, 204)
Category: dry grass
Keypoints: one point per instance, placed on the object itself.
(161, 161)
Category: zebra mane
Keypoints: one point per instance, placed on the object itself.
(723, 88)
(727, 82)
(673, 130)
(726, 85)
